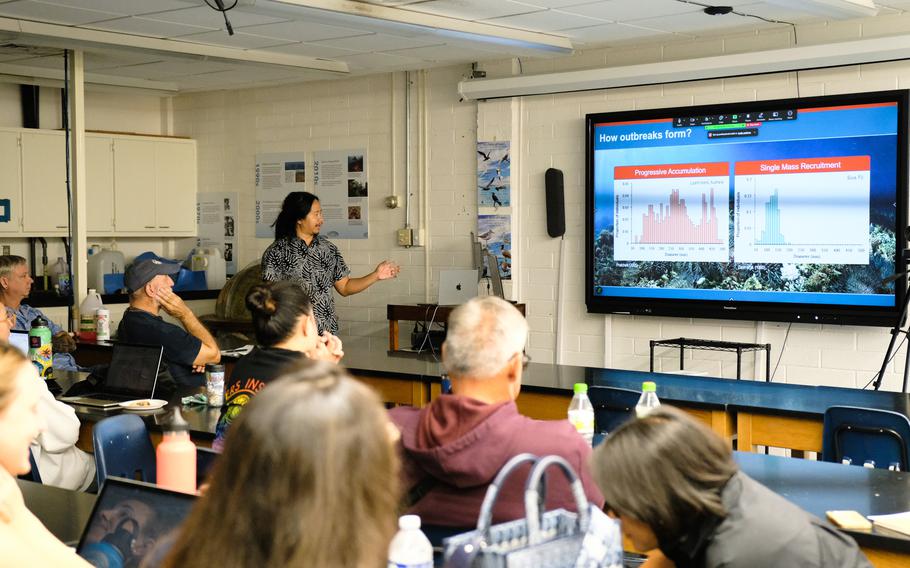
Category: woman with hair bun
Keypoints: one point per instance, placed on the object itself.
(303, 256)
(286, 333)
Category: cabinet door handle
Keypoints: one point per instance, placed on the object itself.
(150, 226)
(61, 226)
(164, 226)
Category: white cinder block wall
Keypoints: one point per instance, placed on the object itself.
(545, 131)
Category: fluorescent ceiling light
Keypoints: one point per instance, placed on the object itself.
(874, 50)
(842, 9)
(443, 25)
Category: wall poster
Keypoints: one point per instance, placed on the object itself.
(276, 176)
(216, 219)
(340, 181)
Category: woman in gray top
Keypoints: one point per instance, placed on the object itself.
(675, 487)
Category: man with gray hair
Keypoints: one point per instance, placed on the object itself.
(453, 448)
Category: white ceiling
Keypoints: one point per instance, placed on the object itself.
(297, 34)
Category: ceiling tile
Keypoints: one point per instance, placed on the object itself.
(447, 53)
(471, 10)
(126, 7)
(107, 59)
(545, 21)
(238, 40)
(694, 23)
(381, 42)
(170, 68)
(206, 17)
(149, 27)
(626, 10)
(382, 61)
(608, 34)
(302, 31)
(40, 11)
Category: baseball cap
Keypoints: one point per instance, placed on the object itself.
(140, 272)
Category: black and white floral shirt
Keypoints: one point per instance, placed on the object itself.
(315, 268)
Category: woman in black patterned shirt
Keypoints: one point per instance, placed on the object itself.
(299, 254)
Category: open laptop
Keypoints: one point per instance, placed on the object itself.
(133, 374)
(457, 286)
(19, 340)
(132, 521)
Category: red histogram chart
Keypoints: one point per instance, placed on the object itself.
(807, 210)
(676, 212)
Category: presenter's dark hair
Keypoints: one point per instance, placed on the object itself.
(665, 470)
(277, 308)
(295, 206)
(309, 477)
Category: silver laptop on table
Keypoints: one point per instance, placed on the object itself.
(457, 286)
(133, 374)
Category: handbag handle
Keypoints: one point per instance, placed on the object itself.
(533, 507)
(485, 518)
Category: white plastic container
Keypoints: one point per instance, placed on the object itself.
(103, 324)
(410, 548)
(648, 401)
(581, 412)
(87, 314)
(101, 262)
(210, 260)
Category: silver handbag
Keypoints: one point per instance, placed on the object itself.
(557, 539)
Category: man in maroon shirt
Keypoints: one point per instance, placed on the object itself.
(453, 448)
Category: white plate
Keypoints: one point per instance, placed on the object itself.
(143, 404)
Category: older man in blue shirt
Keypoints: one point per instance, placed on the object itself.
(15, 286)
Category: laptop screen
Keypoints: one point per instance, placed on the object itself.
(133, 370)
(19, 340)
(129, 519)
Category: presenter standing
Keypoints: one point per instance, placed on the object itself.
(299, 254)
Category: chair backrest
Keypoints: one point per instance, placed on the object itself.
(866, 434)
(123, 448)
(33, 474)
(612, 406)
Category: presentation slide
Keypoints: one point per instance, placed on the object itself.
(789, 205)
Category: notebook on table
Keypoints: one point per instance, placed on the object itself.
(133, 374)
(132, 521)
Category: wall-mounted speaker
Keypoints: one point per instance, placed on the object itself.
(556, 205)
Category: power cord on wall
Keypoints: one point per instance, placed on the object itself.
(219, 6)
(781, 354)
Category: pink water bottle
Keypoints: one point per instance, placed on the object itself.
(176, 456)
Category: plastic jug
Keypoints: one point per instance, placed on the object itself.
(210, 260)
(88, 307)
(101, 262)
(61, 276)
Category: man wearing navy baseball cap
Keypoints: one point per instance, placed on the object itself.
(186, 349)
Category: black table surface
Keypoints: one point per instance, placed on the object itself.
(817, 487)
(62, 511)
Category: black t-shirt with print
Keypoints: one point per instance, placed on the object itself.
(250, 375)
(180, 348)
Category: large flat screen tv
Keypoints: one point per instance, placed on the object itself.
(787, 210)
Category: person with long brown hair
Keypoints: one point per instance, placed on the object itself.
(675, 487)
(308, 478)
(23, 539)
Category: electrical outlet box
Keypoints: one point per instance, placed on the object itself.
(406, 237)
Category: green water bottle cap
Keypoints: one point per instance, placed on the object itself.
(649, 386)
(580, 387)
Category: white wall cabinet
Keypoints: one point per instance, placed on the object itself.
(137, 186)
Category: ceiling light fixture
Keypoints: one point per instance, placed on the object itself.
(839, 9)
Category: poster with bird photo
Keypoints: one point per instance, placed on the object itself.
(493, 187)
(495, 234)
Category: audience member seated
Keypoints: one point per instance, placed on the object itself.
(15, 286)
(60, 462)
(674, 486)
(307, 478)
(186, 350)
(286, 332)
(23, 539)
(454, 447)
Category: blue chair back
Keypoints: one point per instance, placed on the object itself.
(33, 474)
(612, 407)
(123, 448)
(863, 434)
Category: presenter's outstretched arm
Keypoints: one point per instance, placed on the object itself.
(385, 270)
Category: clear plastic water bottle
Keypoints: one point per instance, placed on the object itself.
(410, 548)
(648, 401)
(581, 412)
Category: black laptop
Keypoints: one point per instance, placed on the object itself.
(133, 374)
(132, 521)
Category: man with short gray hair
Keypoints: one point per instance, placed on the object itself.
(453, 448)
